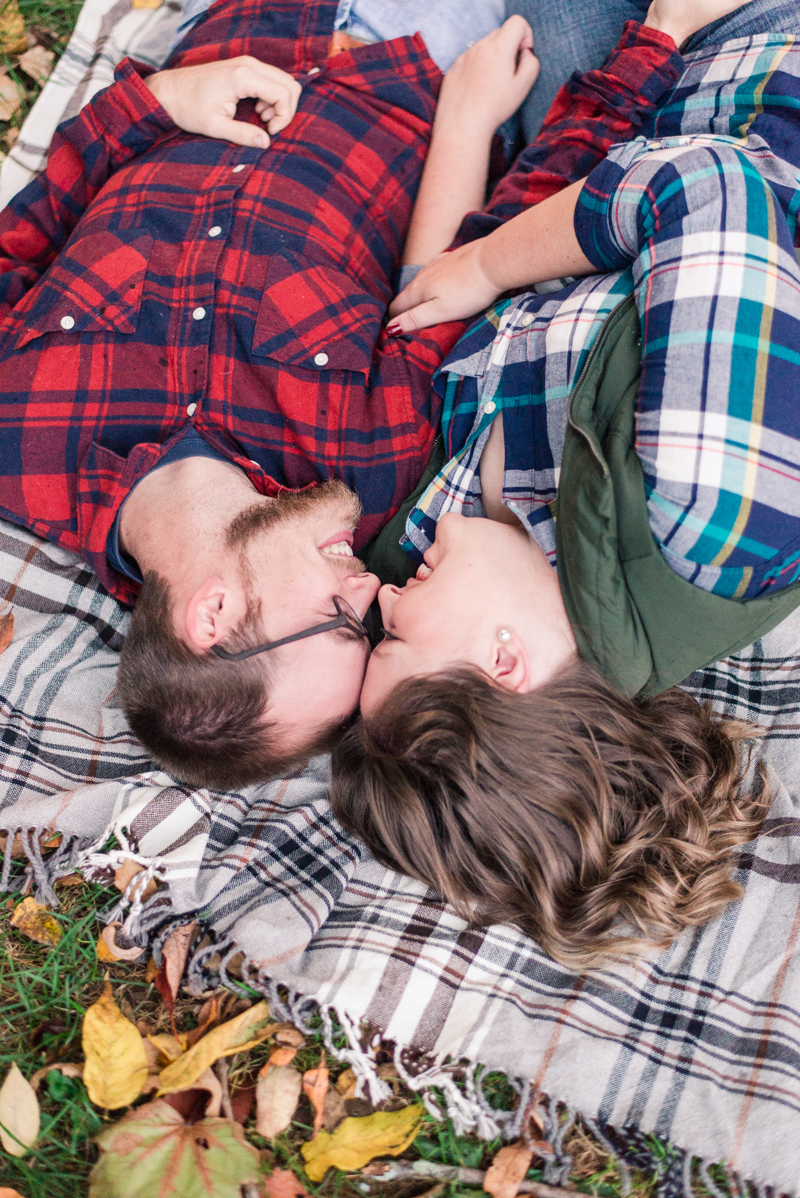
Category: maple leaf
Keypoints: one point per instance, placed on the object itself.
(153, 1153)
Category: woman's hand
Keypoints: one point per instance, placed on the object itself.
(203, 99)
(681, 18)
(490, 80)
(453, 286)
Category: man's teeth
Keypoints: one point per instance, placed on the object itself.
(340, 549)
(424, 572)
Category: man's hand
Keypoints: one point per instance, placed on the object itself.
(490, 80)
(203, 99)
(453, 286)
(681, 18)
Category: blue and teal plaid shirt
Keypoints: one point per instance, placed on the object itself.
(525, 355)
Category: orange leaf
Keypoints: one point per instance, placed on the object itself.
(109, 950)
(5, 1192)
(507, 1170)
(280, 1184)
(315, 1087)
(282, 1056)
(6, 630)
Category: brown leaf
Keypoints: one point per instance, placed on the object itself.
(277, 1093)
(507, 1170)
(127, 872)
(6, 621)
(151, 971)
(109, 950)
(289, 1036)
(35, 921)
(37, 63)
(242, 1101)
(209, 1084)
(68, 1069)
(174, 952)
(70, 880)
(334, 1110)
(315, 1087)
(280, 1184)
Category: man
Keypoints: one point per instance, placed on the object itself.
(194, 382)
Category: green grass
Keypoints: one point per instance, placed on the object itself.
(51, 23)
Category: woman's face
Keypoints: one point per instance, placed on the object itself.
(479, 578)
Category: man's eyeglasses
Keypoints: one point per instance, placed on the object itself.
(345, 618)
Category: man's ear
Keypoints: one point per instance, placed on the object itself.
(510, 667)
(208, 614)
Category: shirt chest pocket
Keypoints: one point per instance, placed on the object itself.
(316, 317)
(94, 286)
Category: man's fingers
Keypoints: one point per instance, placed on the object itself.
(242, 133)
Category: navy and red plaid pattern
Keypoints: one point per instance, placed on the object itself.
(153, 278)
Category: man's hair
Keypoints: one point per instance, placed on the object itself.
(199, 716)
(599, 825)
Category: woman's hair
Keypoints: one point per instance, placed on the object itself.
(599, 825)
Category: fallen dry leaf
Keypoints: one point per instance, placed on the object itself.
(151, 971)
(6, 630)
(109, 950)
(153, 1151)
(315, 1087)
(335, 1111)
(127, 872)
(69, 880)
(280, 1184)
(37, 63)
(19, 1113)
(277, 1094)
(237, 1035)
(346, 1084)
(358, 1141)
(13, 39)
(67, 1068)
(35, 921)
(5, 1192)
(174, 953)
(167, 1046)
(116, 1065)
(507, 1170)
(209, 1082)
(289, 1036)
(146, 3)
(282, 1056)
(10, 103)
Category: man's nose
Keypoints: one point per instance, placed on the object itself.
(360, 588)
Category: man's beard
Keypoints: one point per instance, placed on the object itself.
(294, 506)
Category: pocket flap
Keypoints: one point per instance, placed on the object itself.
(95, 285)
(316, 317)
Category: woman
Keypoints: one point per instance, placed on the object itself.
(521, 749)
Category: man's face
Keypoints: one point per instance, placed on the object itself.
(296, 554)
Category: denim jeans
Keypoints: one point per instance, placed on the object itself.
(579, 36)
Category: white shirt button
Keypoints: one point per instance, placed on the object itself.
(67, 322)
(240, 167)
(321, 360)
(527, 319)
(490, 407)
(315, 70)
(192, 408)
(198, 313)
(215, 230)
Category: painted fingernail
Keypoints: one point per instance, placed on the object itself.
(394, 330)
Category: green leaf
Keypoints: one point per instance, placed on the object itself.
(152, 1153)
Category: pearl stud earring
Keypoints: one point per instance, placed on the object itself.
(504, 635)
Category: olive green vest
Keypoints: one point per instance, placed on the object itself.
(643, 626)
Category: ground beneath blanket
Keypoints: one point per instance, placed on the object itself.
(45, 991)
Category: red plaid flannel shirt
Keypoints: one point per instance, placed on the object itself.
(152, 278)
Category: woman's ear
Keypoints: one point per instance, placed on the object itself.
(510, 666)
(208, 614)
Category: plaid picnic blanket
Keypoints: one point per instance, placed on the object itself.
(700, 1045)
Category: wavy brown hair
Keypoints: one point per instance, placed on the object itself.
(600, 825)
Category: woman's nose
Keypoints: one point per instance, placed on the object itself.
(387, 597)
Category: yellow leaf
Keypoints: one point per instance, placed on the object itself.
(19, 1113)
(168, 1046)
(109, 950)
(35, 921)
(237, 1035)
(358, 1141)
(116, 1065)
(145, 3)
(12, 29)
